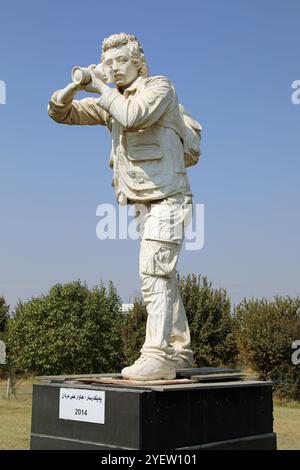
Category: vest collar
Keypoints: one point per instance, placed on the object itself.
(133, 87)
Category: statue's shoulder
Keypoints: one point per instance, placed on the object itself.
(159, 80)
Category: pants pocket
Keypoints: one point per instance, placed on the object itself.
(165, 222)
(158, 258)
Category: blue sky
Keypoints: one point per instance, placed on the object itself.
(232, 64)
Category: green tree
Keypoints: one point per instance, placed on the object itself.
(133, 331)
(70, 330)
(265, 333)
(4, 315)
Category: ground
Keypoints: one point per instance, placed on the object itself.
(287, 425)
(15, 419)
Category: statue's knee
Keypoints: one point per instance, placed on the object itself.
(152, 285)
(158, 258)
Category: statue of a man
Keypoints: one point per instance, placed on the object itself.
(147, 159)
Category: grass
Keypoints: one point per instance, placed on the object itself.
(15, 419)
(287, 425)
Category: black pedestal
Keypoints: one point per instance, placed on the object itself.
(227, 415)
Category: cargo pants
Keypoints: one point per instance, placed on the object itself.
(161, 226)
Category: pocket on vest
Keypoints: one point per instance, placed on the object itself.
(144, 178)
(144, 152)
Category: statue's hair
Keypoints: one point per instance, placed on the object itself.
(136, 52)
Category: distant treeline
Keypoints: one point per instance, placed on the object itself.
(74, 329)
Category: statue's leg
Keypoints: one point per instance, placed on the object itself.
(157, 265)
(158, 358)
(162, 235)
(180, 337)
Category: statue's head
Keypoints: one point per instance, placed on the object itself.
(123, 54)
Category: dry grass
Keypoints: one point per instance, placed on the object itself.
(15, 420)
(15, 416)
(287, 425)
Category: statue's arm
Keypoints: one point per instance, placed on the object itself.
(63, 108)
(140, 110)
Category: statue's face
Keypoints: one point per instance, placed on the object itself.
(123, 69)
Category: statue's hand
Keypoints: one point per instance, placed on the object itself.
(95, 85)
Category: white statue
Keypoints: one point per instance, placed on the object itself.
(152, 143)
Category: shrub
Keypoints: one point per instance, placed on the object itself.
(70, 330)
(133, 331)
(265, 333)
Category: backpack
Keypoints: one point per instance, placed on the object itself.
(191, 138)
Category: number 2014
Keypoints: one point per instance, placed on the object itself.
(80, 412)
